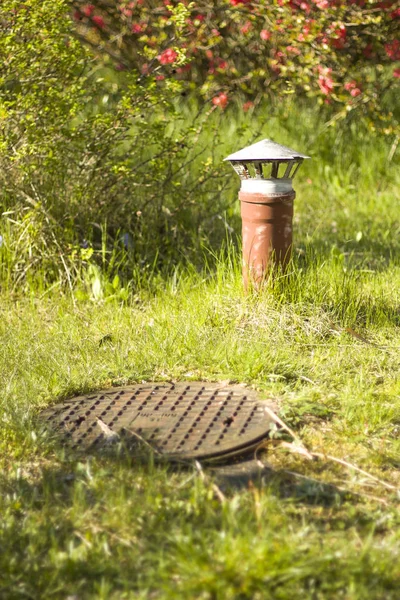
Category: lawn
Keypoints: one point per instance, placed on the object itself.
(321, 341)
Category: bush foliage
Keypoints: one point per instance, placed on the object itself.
(110, 115)
(343, 53)
(85, 149)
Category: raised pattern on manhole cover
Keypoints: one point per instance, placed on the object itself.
(185, 419)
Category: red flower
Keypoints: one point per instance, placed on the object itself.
(88, 10)
(393, 50)
(350, 85)
(220, 100)
(138, 27)
(168, 56)
(236, 2)
(353, 88)
(279, 55)
(265, 35)
(127, 8)
(325, 84)
(396, 73)
(98, 21)
(248, 105)
(222, 64)
(245, 28)
(339, 41)
(322, 4)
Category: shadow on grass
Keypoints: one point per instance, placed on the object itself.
(250, 473)
(366, 254)
(239, 473)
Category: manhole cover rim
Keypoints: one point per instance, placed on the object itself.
(194, 401)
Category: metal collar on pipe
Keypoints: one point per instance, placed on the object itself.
(266, 186)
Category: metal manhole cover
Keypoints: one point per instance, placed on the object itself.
(185, 419)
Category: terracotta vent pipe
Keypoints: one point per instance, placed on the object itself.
(266, 170)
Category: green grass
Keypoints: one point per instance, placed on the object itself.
(322, 341)
(114, 527)
(347, 198)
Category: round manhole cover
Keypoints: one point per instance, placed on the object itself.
(186, 419)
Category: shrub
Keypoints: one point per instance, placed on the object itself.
(342, 53)
(84, 145)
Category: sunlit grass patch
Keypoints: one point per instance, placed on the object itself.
(321, 341)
